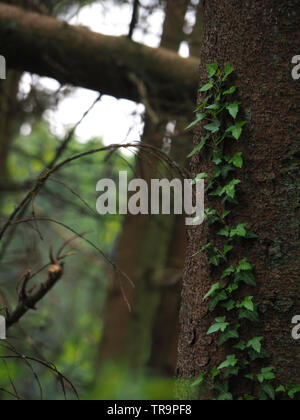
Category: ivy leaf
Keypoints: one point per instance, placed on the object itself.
(204, 248)
(250, 315)
(214, 127)
(214, 373)
(227, 248)
(229, 189)
(198, 381)
(292, 392)
(199, 147)
(228, 70)
(220, 325)
(239, 230)
(233, 109)
(199, 117)
(230, 91)
(217, 299)
(255, 343)
(229, 306)
(232, 288)
(212, 290)
(240, 346)
(212, 69)
(199, 177)
(226, 273)
(244, 265)
(269, 390)
(237, 160)
(281, 388)
(207, 87)
(247, 303)
(231, 361)
(254, 355)
(266, 375)
(225, 213)
(217, 157)
(236, 129)
(213, 107)
(246, 277)
(227, 335)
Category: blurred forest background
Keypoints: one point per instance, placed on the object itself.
(83, 326)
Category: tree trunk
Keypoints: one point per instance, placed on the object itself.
(151, 252)
(259, 39)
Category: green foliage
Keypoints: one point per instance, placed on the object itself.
(219, 117)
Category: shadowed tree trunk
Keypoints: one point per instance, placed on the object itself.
(259, 39)
(151, 251)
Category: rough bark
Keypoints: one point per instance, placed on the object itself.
(259, 38)
(75, 55)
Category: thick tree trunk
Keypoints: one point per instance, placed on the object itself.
(75, 55)
(259, 38)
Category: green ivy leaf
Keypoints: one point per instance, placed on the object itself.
(199, 117)
(220, 325)
(227, 249)
(237, 160)
(224, 232)
(255, 343)
(199, 177)
(226, 273)
(199, 147)
(244, 265)
(266, 375)
(239, 230)
(240, 346)
(229, 306)
(214, 373)
(228, 70)
(213, 127)
(246, 277)
(230, 91)
(204, 248)
(233, 109)
(293, 391)
(231, 361)
(236, 129)
(269, 390)
(217, 299)
(247, 303)
(227, 335)
(229, 189)
(199, 380)
(212, 290)
(250, 315)
(212, 69)
(217, 157)
(207, 87)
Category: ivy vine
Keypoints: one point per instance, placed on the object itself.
(219, 115)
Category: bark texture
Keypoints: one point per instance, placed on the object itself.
(75, 55)
(259, 38)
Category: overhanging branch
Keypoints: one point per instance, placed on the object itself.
(75, 55)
